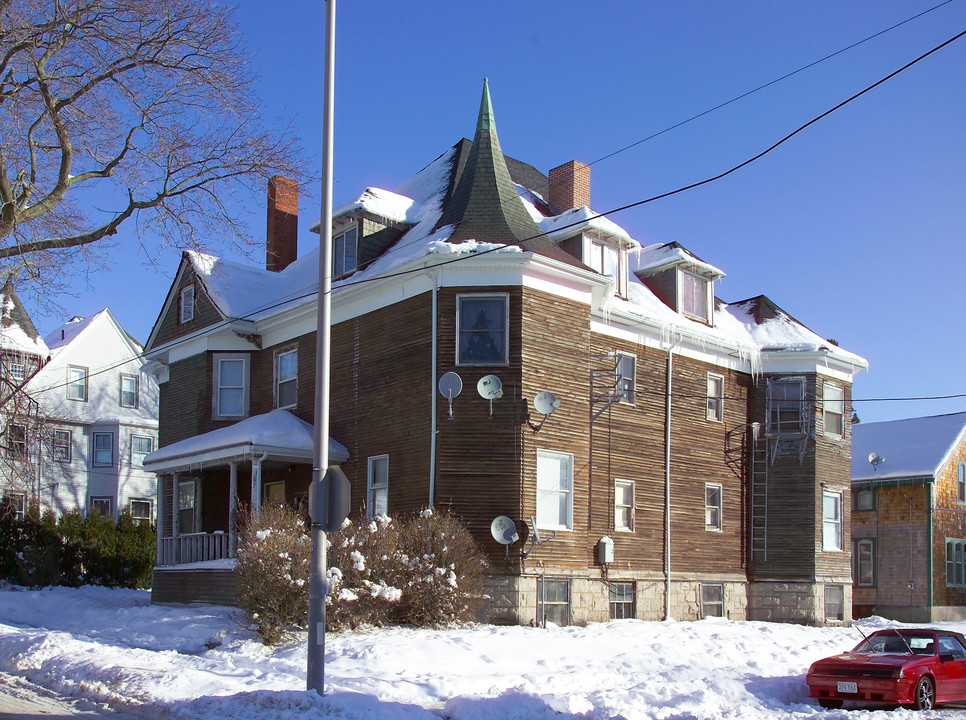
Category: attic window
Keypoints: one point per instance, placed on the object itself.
(187, 304)
(345, 252)
(694, 295)
(606, 259)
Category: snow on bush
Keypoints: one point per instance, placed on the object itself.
(423, 570)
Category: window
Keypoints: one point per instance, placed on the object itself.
(712, 600)
(715, 398)
(626, 372)
(961, 483)
(623, 505)
(377, 486)
(482, 329)
(275, 493)
(17, 442)
(141, 445)
(712, 507)
(102, 505)
(955, 567)
(834, 602)
(621, 600)
(230, 399)
(785, 401)
(129, 391)
(76, 383)
(60, 446)
(831, 521)
(606, 259)
(553, 601)
(15, 503)
(286, 378)
(187, 506)
(555, 479)
(345, 252)
(18, 371)
(864, 559)
(864, 499)
(833, 410)
(695, 295)
(142, 512)
(949, 645)
(187, 308)
(103, 449)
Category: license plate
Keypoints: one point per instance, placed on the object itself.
(848, 687)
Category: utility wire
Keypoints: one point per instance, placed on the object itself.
(400, 273)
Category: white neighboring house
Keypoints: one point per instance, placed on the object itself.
(95, 417)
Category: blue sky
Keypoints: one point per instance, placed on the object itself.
(855, 226)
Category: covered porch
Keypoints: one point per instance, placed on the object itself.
(201, 481)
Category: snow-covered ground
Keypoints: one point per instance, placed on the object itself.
(114, 647)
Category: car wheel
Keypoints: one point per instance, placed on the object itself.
(830, 704)
(925, 694)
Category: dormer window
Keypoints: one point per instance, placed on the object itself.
(345, 252)
(694, 295)
(606, 259)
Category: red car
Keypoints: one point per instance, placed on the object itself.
(916, 667)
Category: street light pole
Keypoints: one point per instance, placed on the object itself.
(318, 586)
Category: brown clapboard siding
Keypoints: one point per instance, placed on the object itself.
(948, 521)
(209, 586)
(185, 400)
(833, 472)
(381, 387)
(205, 315)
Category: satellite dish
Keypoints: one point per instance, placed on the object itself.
(875, 459)
(489, 387)
(450, 385)
(503, 530)
(545, 402)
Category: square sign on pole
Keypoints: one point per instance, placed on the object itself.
(329, 500)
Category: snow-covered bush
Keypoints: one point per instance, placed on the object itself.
(273, 570)
(423, 570)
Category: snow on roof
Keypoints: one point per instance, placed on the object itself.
(276, 432)
(580, 220)
(665, 255)
(383, 203)
(64, 335)
(912, 448)
(14, 336)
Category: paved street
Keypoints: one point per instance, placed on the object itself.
(21, 699)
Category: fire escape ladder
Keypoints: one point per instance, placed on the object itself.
(759, 498)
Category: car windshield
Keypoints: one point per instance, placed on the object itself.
(895, 643)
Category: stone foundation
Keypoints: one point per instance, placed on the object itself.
(795, 602)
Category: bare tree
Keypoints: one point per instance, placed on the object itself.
(147, 101)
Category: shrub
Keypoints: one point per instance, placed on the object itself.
(424, 570)
(273, 569)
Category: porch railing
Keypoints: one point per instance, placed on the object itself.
(195, 548)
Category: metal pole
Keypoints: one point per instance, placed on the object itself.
(318, 587)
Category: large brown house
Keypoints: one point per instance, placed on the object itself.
(909, 518)
(695, 462)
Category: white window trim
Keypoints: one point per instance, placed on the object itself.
(859, 543)
(718, 399)
(632, 507)
(825, 411)
(506, 326)
(618, 357)
(710, 527)
(371, 487)
(708, 296)
(591, 243)
(133, 454)
(828, 616)
(279, 354)
(340, 236)
(74, 381)
(712, 603)
(186, 305)
(13, 453)
(961, 483)
(18, 371)
(837, 523)
(94, 462)
(53, 446)
(216, 360)
(568, 493)
(130, 508)
(101, 498)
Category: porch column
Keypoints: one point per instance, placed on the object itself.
(175, 520)
(159, 523)
(232, 506)
(256, 485)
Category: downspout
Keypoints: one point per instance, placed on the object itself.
(432, 399)
(667, 489)
(929, 578)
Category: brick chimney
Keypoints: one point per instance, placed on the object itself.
(570, 186)
(281, 235)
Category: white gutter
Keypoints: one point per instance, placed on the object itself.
(432, 400)
(257, 483)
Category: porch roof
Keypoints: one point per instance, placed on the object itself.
(278, 433)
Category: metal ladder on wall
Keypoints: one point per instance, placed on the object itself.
(759, 499)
